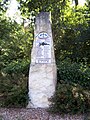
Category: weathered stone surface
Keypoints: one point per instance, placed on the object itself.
(42, 74)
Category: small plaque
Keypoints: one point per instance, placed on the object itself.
(43, 48)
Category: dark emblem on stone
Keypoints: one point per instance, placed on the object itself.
(43, 43)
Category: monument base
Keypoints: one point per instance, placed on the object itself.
(42, 83)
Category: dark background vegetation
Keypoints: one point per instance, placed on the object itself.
(71, 35)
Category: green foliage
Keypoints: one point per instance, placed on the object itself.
(13, 90)
(3, 5)
(69, 98)
(71, 35)
(32, 7)
(70, 27)
(73, 89)
(17, 67)
(15, 48)
(74, 72)
(15, 41)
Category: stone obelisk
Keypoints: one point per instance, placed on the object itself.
(42, 74)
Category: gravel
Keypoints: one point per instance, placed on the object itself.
(34, 114)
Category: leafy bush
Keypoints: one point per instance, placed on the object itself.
(70, 99)
(73, 89)
(19, 66)
(13, 84)
(16, 44)
(13, 91)
(74, 72)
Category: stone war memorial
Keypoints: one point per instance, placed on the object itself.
(43, 73)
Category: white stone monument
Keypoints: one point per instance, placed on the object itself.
(42, 75)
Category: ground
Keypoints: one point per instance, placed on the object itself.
(34, 114)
